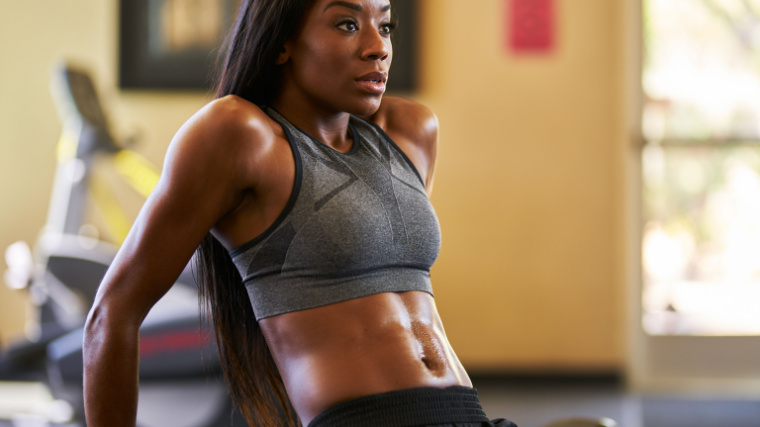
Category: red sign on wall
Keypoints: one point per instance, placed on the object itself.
(531, 26)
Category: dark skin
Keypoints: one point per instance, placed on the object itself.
(230, 170)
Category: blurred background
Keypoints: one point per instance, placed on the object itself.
(598, 179)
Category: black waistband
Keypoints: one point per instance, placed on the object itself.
(412, 407)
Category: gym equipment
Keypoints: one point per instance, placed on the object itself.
(180, 376)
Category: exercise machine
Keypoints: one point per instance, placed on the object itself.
(180, 377)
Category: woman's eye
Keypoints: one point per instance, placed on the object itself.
(387, 28)
(349, 26)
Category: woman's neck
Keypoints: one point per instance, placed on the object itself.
(329, 127)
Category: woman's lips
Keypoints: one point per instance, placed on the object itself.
(372, 86)
(373, 83)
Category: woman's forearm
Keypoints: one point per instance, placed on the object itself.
(110, 353)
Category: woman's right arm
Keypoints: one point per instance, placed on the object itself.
(203, 179)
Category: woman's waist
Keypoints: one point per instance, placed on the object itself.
(317, 382)
(365, 346)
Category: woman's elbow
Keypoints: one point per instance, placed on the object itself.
(94, 324)
(96, 329)
(105, 324)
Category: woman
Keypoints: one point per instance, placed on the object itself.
(307, 190)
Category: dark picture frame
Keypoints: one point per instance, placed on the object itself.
(403, 75)
(151, 60)
(149, 57)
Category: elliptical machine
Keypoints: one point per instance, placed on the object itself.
(180, 381)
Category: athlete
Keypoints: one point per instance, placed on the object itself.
(307, 192)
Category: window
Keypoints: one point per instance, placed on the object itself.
(701, 167)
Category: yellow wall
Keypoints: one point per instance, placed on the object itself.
(527, 188)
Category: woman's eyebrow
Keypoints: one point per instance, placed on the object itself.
(354, 6)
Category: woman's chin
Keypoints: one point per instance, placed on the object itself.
(368, 107)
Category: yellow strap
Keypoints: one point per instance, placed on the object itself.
(116, 221)
(137, 171)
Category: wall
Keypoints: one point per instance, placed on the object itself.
(527, 188)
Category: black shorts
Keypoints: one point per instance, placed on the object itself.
(456, 406)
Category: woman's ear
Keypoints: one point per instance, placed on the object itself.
(284, 55)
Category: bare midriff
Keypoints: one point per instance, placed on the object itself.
(374, 344)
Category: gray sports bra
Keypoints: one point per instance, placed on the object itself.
(356, 224)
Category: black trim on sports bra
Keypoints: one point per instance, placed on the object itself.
(394, 145)
(291, 200)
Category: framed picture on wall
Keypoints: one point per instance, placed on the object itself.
(174, 44)
(403, 75)
(171, 44)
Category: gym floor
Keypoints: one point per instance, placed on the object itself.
(533, 401)
(537, 401)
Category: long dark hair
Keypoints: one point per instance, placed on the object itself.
(248, 70)
(260, 31)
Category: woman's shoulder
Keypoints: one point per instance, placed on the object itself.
(234, 115)
(407, 119)
(225, 127)
(414, 128)
(229, 139)
(400, 112)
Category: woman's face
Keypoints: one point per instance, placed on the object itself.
(340, 58)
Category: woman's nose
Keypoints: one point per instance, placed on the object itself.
(375, 46)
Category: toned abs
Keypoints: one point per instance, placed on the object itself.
(374, 344)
